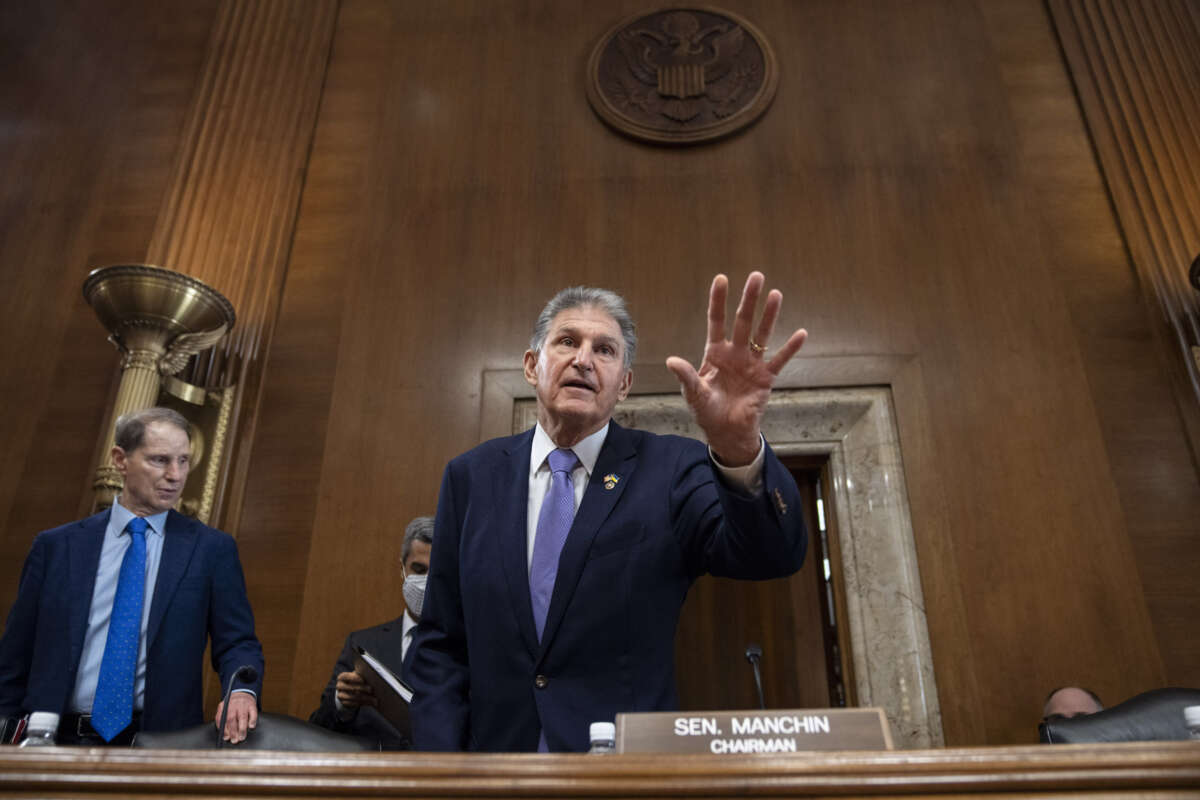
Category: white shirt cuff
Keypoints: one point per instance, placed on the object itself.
(748, 478)
(342, 711)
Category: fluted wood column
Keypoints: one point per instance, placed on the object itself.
(1136, 67)
(229, 215)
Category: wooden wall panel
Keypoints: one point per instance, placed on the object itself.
(922, 185)
(92, 98)
(285, 472)
(1136, 68)
(224, 125)
(229, 214)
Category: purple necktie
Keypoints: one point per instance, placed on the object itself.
(554, 522)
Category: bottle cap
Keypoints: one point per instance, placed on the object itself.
(1191, 716)
(43, 721)
(604, 731)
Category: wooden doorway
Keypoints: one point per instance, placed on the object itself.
(796, 621)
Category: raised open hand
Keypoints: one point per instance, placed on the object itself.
(729, 393)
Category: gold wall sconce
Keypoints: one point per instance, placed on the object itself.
(158, 319)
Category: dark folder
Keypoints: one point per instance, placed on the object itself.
(393, 694)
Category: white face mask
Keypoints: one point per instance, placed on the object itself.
(414, 594)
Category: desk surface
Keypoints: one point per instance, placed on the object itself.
(1142, 770)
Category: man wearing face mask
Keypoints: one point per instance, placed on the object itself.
(348, 705)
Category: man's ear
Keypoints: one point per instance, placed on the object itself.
(531, 359)
(118, 459)
(626, 384)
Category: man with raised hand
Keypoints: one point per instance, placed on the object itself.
(565, 553)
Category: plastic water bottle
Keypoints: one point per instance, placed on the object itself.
(1191, 718)
(603, 736)
(42, 729)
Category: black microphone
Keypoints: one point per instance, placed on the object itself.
(754, 656)
(246, 674)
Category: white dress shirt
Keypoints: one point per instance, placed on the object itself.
(407, 629)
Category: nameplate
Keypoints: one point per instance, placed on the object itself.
(743, 732)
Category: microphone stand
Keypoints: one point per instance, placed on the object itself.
(247, 674)
(754, 656)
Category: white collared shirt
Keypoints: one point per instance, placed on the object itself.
(408, 629)
(586, 450)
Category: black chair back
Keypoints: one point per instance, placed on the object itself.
(1156, 715)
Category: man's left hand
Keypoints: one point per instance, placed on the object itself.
(728, 394)
(243, 716)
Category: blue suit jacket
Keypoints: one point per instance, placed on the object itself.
(200, 592)
(482, 679)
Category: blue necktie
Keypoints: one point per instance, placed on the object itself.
(554, 523)
(112, 709)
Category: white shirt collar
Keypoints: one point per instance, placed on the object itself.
(587, 450)
(121, 516)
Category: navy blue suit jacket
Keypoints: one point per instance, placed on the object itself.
(482, 679)
(200, 592)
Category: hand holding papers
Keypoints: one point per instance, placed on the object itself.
(393, 694)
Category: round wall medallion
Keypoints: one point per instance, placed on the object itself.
(682, 75)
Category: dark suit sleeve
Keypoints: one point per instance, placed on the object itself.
(733, 535)
(326, 714)
(439, 672)
(16, 646)
(231, 622)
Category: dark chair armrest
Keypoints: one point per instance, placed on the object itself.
(274, 732)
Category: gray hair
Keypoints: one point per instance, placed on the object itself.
(131, 428)
(610, 303)
(419, 530)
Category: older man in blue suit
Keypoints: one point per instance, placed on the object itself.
(564, 553)
(114, 611)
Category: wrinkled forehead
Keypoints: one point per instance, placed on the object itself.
(164, 436)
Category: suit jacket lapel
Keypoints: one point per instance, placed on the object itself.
(179, 540)
(617, 456)
(512, 489)
(84, 562)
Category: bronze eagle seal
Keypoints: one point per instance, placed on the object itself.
(682, 75)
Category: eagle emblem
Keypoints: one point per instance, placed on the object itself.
(682, 75)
